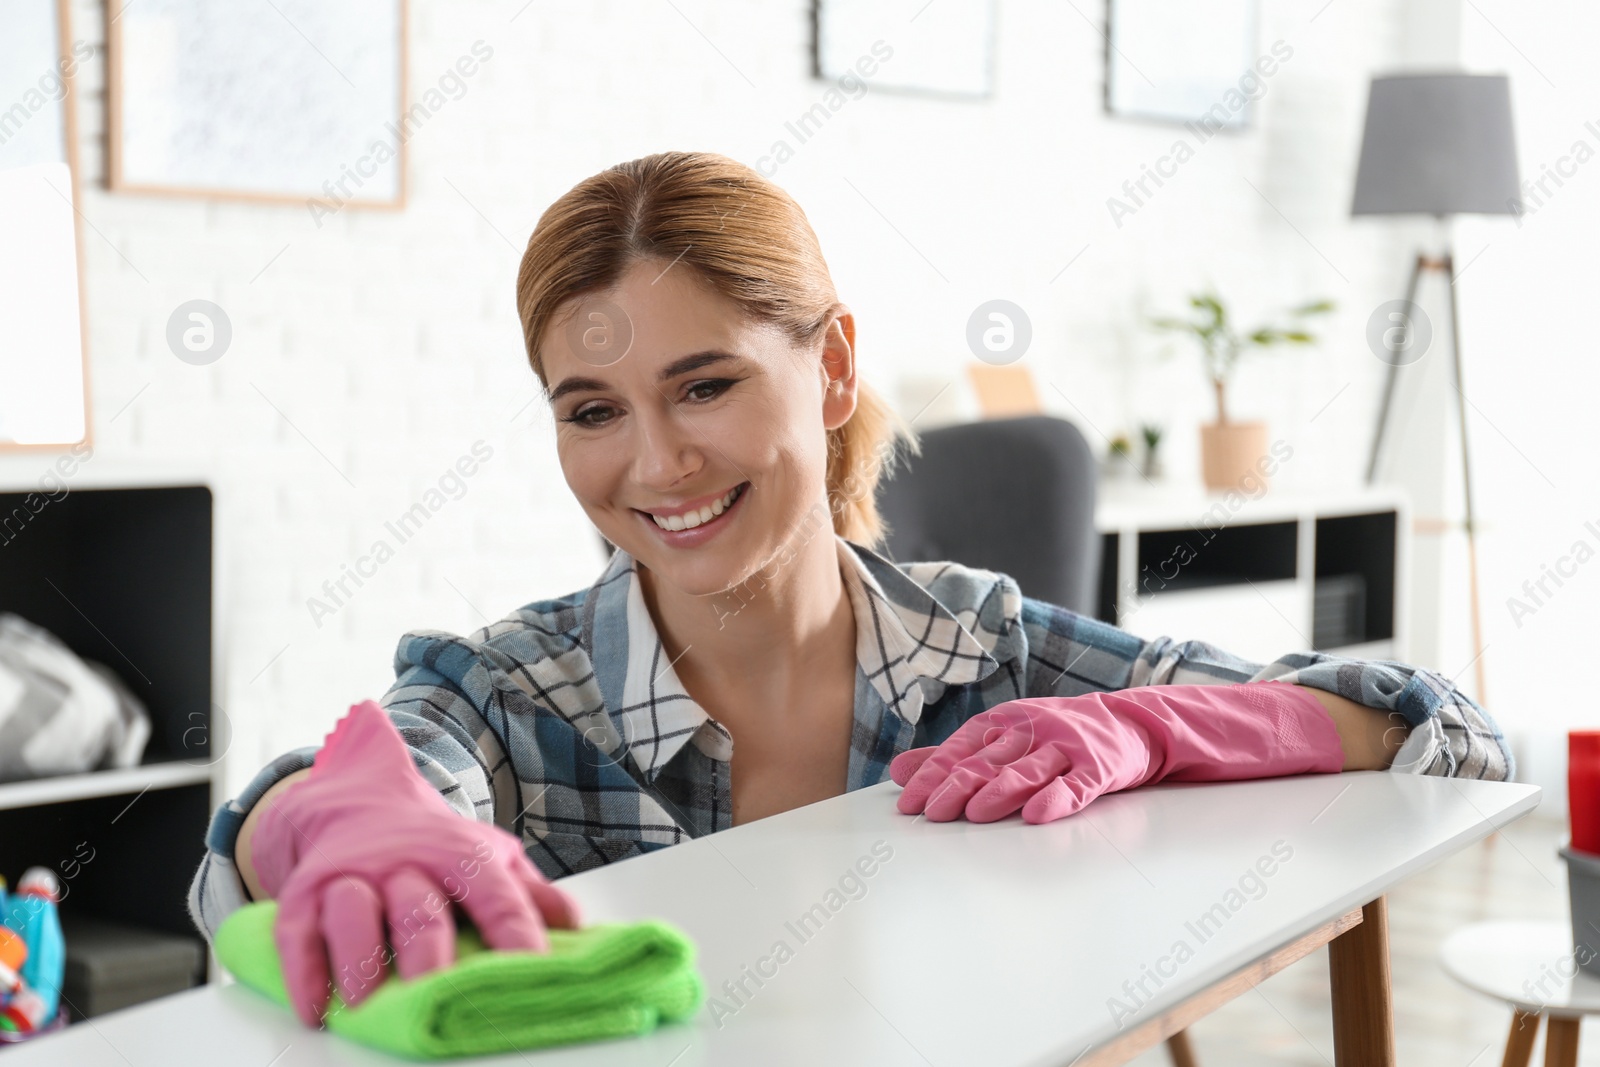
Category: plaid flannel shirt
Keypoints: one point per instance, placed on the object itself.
(565, 724)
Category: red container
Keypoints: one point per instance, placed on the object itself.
(1583, 789)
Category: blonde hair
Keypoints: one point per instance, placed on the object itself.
(747, 239)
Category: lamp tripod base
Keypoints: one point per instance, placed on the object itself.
(1445, 265)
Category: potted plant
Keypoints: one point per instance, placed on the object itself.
(1231, 450)
(1152, 456)
(1119, 463)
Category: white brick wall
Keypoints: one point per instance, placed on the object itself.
(390, 340)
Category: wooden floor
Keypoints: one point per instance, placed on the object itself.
(1514, 875)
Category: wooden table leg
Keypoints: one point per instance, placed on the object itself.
(1363, 1015)
(1519, 1043)
(1179, 1049)
(1561, 1042)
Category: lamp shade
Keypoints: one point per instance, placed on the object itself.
(1438, 144)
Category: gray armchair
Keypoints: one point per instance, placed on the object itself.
(1011, 495)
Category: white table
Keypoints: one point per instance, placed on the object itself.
(999, 943)
(1532, 966)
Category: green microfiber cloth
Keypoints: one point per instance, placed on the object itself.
(603, 981)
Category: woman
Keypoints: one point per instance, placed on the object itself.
(745, 651)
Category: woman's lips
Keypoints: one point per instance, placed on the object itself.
(692, 537)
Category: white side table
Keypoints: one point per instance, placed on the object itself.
(1533, 967)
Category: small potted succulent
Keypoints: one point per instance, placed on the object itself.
(1119, 464)
(1229, 450)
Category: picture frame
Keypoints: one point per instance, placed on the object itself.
(289, 102)
(1181, 63)
(941, 48)
(44, 364)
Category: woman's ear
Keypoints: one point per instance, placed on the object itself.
(839, 371)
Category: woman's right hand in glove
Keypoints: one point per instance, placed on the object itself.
(363, 845)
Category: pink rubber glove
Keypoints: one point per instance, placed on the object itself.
(363, 844)
(1051, 756)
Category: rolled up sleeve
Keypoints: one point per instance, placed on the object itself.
(1448, 733)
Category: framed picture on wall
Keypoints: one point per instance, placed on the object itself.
(937, 47)
(1190, 62)
(296, 101)
(43, 357)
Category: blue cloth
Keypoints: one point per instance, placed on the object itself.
(565, 723)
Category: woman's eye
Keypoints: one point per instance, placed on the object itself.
(716, 387)
(583, 418)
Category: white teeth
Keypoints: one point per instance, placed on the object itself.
(690, 519)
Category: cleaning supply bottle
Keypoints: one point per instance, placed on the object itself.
(21, 1009)
(13, 953)
(1583, 789)
(32, 913)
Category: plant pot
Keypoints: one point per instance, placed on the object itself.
(1119, 467)
(1231, 451)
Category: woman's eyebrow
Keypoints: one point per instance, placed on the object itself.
(682, 365)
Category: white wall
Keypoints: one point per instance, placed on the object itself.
(371, 352)
(1533, 379)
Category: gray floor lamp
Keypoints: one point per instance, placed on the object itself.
(1440, 145)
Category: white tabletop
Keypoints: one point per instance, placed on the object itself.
(1530, 964)
(999, 943)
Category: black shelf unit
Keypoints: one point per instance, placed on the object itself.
(122, 576)
(1356, 554)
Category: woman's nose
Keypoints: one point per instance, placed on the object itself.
(666, 450)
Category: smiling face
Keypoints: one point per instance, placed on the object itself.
(710, 424)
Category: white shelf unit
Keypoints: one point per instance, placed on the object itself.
(1244, 572)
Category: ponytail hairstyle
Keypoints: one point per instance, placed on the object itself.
(750, 242)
